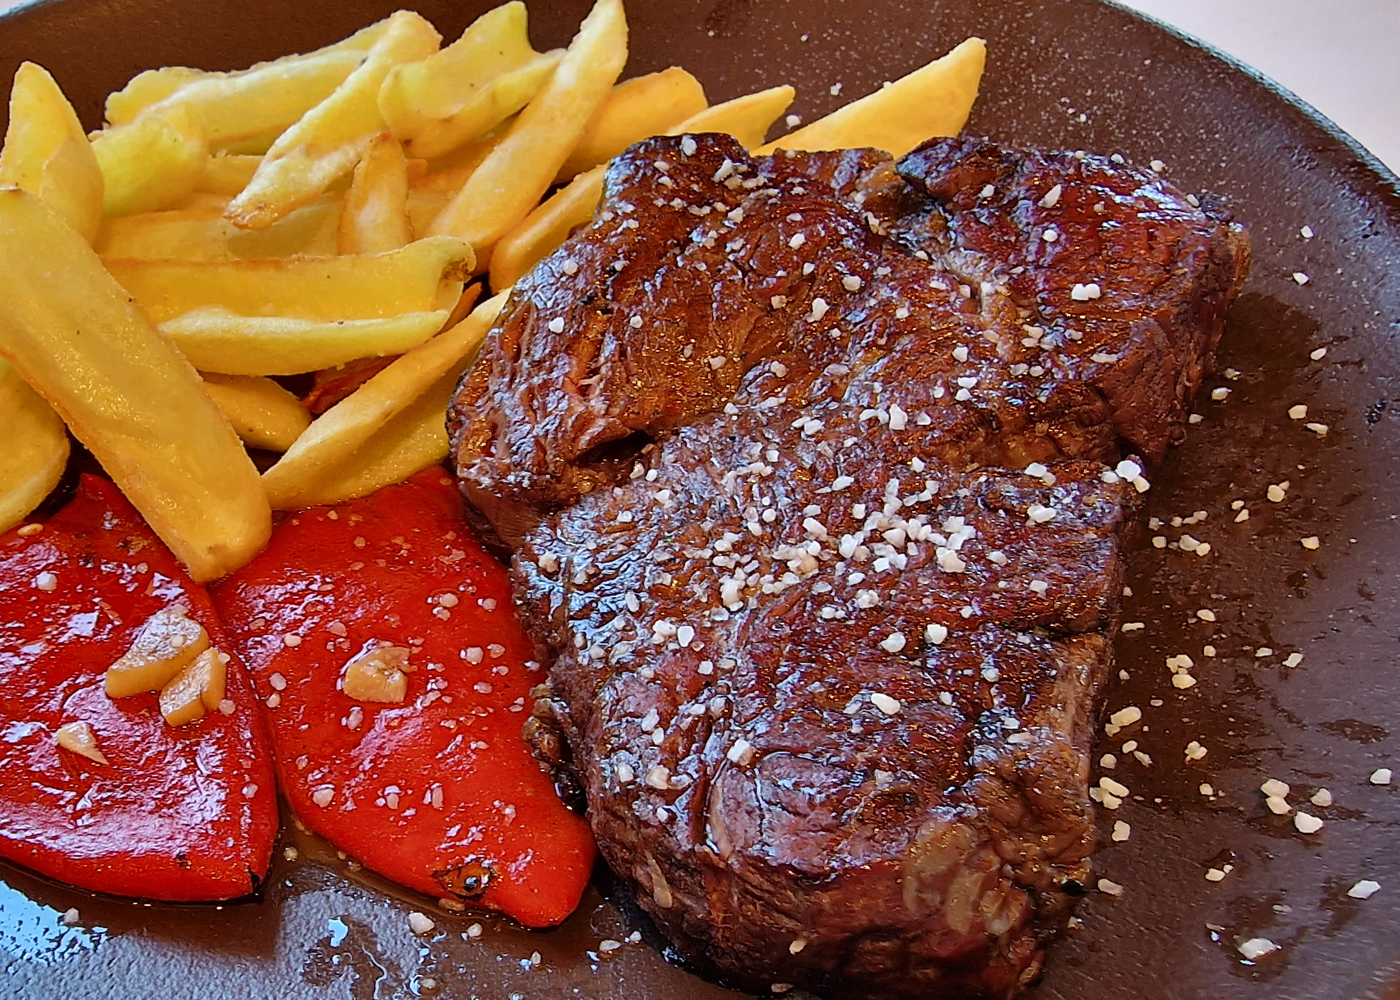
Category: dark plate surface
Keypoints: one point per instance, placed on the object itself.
(1062, 73)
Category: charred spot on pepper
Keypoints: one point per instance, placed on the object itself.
(466, 881)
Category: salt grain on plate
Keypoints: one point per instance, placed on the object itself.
(420, 923)
(1307, 823)
(1380, 776)
(1364, 889)
(1256, 948)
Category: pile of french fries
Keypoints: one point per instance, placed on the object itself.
(337, 213)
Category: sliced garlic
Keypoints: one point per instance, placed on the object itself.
(79, 738)
(198, 687)
(378, 674)
(166, 643)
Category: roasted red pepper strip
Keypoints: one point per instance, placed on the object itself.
(439, 792)
(186, 813)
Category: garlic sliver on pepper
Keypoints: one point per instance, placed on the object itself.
(166, 644)
(196, 689)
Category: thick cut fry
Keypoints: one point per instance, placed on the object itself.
(746, 118)
(35, 451)
(637, 108)
(459, 94)
(546, 227)
(411, 441)
(202, 233)
(328, 140)
(145, 89)
(334, 440)
(152, 163)
(216, 340)
(251, 101)
(375, 216)
(498, 196)
(228, 174)
(934, 100)
(369, 286)
(262, 413)
(47, 153)
(126, 393)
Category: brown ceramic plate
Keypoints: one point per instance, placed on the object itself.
(1063, 73)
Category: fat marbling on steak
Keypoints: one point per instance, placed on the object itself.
(808, 466)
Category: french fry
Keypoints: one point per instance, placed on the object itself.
(746, 118)
(202, 233)
(328, 140)
(262, 413)
(637, 108)
(145, 89)
(280, 91)
(934, 100)
(509, 183)
(334, 440)
(449, 174)
(375, 216)
(410, 441)
(228, 174)
(426, 275)
(216, 340)
(152, 163)
(125, 392)
(47, 153)
(459, 94)
(35, 452)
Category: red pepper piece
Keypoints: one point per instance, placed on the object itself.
(186, 813)
(439, 792)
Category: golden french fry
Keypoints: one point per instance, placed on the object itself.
(423, 207)
(418, 277)
(449, 173)
(227, 174)
(125, 392)
(273, 93)
(328, 140)
(746, 118)
(35, 452)
(145, 89)
(337, 436)
(934, 100)
(501, 192)
(47, 153)
(262, 413)
(375, 216)
(409, 442)
(546, 227)
(459, 94)
(216, 340)
(637, 108)
(202, 233)
(152, 163)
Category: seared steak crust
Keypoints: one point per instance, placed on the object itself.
(826, 663)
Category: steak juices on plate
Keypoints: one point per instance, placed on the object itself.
(814, 470)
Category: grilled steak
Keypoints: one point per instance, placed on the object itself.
(802, 460)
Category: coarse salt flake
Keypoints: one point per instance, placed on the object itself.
(1306, 822)
(1364, 889)
(886, 704)
(1256, 948)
